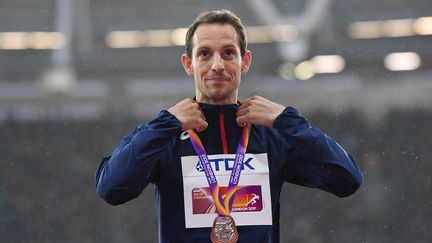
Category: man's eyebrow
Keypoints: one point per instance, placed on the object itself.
(202, 47)
(230, 46)
(223, 47)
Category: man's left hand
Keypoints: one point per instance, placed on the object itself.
(258, 110)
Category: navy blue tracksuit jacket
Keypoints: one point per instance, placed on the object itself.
(152, 153)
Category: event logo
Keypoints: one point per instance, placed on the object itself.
(225, 164)
(247, 199)
(184, 135)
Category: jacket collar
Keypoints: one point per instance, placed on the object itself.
(225, 107)
(211, 107)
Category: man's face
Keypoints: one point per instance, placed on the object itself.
(216, 63)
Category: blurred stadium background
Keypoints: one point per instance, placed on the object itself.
(78, 75)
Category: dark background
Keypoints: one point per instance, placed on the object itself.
(53, 139)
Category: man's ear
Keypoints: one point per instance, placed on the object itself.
(187, 64)
(246, 62)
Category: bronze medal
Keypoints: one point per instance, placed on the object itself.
(224, 230)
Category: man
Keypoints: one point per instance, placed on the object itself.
(229, 174)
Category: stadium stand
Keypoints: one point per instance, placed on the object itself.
(55, 133)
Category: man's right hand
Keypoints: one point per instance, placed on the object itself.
(190, 115)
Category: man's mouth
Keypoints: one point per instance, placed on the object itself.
(217, 77)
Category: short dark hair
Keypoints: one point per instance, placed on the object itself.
(217, 17)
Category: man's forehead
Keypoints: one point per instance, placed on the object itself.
(208, 33)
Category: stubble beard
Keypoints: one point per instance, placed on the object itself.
(218, 96)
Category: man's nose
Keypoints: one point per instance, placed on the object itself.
(217, 63)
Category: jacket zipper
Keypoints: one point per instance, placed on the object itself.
(222, 130)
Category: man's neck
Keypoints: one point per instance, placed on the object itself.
(206, 100)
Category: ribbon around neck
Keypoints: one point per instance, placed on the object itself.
(223, 203)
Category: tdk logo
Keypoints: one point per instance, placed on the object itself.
(225, 164)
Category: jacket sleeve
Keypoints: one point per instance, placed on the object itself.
(319, 161)
(124, 174)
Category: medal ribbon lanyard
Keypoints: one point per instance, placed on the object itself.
(223, 205)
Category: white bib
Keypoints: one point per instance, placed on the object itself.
(252, 203)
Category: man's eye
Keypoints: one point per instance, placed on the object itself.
(204, 53)
(228, 52)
